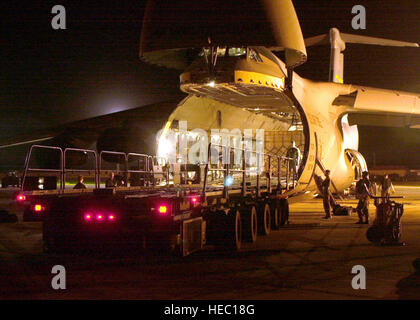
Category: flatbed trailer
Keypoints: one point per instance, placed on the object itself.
(163, 208)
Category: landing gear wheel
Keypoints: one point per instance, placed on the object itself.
(250, 224)
(264, 219)
(284, 211)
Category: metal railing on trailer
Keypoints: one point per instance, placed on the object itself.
(27, 167)
(78, 171)
(146, 171)
(149, 170)
(260, 164)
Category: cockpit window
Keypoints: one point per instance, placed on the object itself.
(236, 52)
(231, 51)
(253, 55)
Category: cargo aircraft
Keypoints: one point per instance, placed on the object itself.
(234, 78)
(231, 70)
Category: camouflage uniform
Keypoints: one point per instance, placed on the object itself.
(363, 205)
(326, 194)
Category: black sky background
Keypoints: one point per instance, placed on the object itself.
(49, 77)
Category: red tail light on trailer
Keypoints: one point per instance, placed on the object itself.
(38, 208)
(99, 217)
(21, 197)
(163, 210)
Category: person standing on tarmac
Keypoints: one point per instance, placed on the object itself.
(386, 186)
(326, 194)
(363, 192)
(110, 182)
(80, 184)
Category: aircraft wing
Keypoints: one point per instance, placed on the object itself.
(91, 129)
(380, 107)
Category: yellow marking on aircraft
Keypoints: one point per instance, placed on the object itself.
(168, 125)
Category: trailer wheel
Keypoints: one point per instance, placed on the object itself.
(284, 211)
(275, 215)
(264, 219)
(234, 230)
(250, 224)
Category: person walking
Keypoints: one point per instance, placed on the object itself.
(363, 193)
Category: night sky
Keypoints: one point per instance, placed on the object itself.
(49, 77)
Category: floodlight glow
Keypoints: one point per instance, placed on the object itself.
(165, 147)
(228, 181)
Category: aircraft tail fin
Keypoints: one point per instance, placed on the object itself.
(338, 41)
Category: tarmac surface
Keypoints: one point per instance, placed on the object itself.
(310, 258)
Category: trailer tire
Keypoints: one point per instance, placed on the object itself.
(250, 224)
(275, 215)
(234, 230)
(284, 211)
(264, 221)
